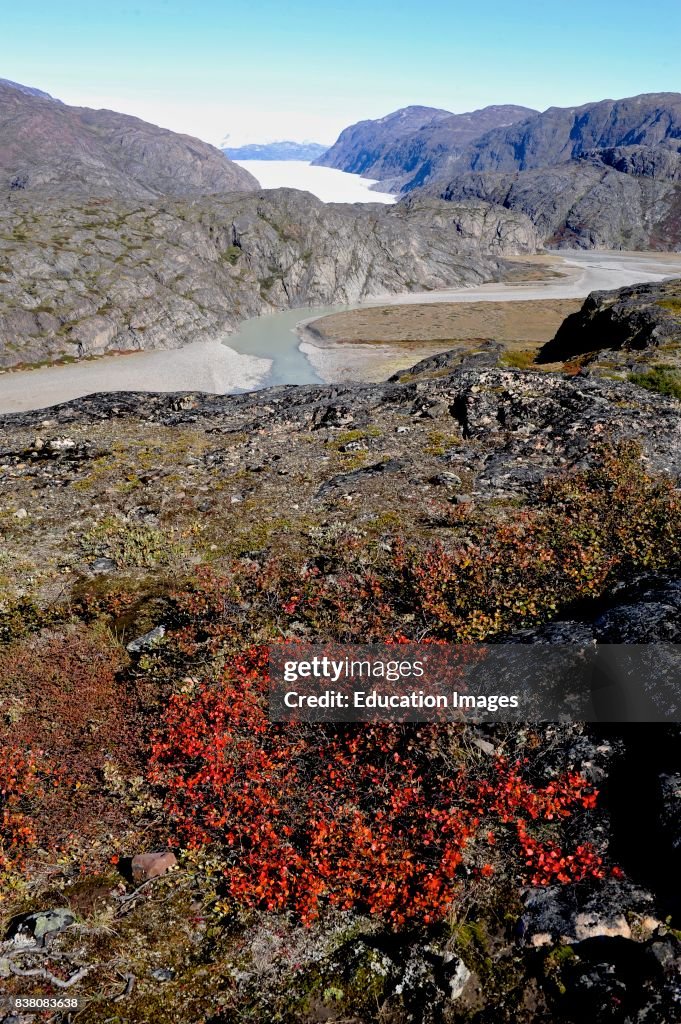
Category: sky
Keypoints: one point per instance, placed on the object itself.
(294, 69)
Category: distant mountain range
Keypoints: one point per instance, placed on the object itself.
(50, 149)
(276, 151)
(413, 146)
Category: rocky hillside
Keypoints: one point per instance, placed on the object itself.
(413, 144)
(636, 328)
(605, 175)
(86, 278)
(564, 133)
(622, 198)
(49, 149)
(149, 542)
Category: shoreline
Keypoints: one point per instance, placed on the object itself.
(209, 366)
(574, 274)
(281, 351)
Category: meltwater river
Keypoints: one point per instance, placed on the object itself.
(265, 351)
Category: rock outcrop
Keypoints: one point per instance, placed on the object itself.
(87, 278)
(50, 149)
(630, 325)
(623, 198)
(509, 429)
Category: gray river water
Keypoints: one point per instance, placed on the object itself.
(265, 350)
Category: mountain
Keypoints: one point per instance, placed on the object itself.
(276, 151)
(160, 274)
(413, 144)
(50, 149)
(587, 203)
(27, 90)
(604, 175)
(564, 133)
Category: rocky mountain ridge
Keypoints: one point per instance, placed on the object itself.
(410, 144)
(49, 149)
(603, 175)
(565, 133)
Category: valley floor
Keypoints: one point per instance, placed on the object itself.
(267, 350)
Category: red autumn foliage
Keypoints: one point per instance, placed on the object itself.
(67, 699)
(23, 781)
(67, 715)
(487, 576)
(372, 817)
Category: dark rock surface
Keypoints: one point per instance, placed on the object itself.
(509, 428)
(643, 320)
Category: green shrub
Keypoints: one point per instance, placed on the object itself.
(666, 380)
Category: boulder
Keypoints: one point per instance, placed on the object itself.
(145, 866)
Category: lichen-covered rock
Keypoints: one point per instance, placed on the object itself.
(573, 913)
(630, 323)
(39, 928)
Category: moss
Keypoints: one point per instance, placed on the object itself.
(348, 436)
(665, 380)
(519, 359)
(438, 442)
(554, 963)
(673, 304)
(231, 255)
(132, 544)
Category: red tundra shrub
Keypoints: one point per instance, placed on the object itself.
(372, 817)
(23, 782)
(66, 708)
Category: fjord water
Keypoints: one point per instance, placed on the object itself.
(265, 350)
(328, 184)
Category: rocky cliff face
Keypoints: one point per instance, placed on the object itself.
(413, 144)
(563, 133)
(112, 275)
(627, 326)
(622, 198)
(50, 149)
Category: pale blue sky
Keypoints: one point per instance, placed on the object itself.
(262, 70)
